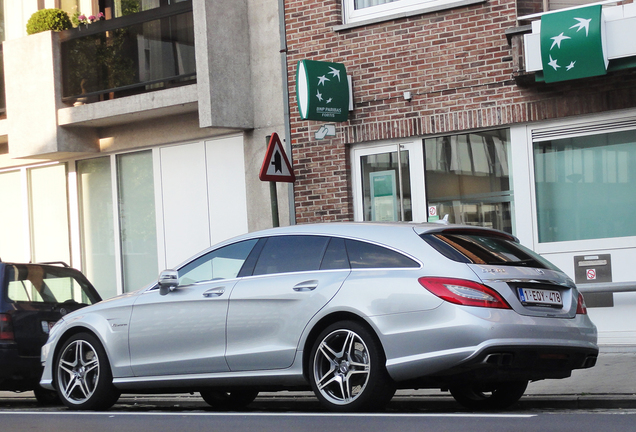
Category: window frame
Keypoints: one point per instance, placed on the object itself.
(582, 126)
(397, 9)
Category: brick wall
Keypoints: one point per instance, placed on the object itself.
(459, 68)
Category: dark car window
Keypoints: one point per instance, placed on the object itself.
(39, 284)
(335, 256)
(485, 249)
(222, 263)
(366, 255)
(291, 253)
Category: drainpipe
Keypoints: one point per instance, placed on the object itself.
(283, 63)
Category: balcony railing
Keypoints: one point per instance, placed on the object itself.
(138, 53)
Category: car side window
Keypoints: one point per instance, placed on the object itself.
(222, 263)
(291, 253)
(335, 256)
(367, 255)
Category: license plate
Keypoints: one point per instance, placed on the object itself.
(533, 296)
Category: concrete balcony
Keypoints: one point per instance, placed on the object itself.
(63, 87)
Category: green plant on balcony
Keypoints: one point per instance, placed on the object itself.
(48, 19)
(98, 62)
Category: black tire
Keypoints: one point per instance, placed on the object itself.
(233, 399)
(347, 369)
(82, 374)
(492, 397)
(46, 397)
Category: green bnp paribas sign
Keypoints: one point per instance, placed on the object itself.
(322, 90)
(572, 44)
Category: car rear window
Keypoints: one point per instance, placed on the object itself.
(482, 248)
(367, 255)
(40, 284)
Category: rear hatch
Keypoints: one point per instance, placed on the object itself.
(37, 296)
(529, 283)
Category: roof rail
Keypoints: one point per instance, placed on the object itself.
(62, 263)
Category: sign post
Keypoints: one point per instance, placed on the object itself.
(275, 168)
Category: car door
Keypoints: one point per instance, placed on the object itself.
(293, 278)
(183, 332)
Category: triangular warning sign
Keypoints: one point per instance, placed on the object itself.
(276, 166)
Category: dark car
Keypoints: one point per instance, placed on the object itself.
(33, 297)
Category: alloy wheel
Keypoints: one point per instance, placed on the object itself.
(78, 371)
(342, 366)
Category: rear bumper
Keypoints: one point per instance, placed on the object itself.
(18, 373)
(478, 344)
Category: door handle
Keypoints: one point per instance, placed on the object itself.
(306, 286)
(214, 292)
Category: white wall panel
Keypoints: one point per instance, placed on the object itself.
(226, 185)
(185, 202)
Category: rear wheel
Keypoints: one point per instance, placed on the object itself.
(231, 399)
(496, 396)
(347, 369)
(82, 374)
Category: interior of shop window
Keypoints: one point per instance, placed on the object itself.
(468, 178)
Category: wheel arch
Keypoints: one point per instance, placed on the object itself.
(325, 322)
(69, 333)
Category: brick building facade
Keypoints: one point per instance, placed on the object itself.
(553, 163)
(463, 67)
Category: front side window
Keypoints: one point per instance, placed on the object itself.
(361, 10)
(223, 263)
(585, 187)
(468, 178)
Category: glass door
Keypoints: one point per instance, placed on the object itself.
(387, 187)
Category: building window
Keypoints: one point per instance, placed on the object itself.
(468, 178)
(98, 231)
(362, 10)
(134, 234)
(35, 227)
(385, 197)
(585, 187)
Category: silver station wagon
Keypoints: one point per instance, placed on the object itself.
(353, 311)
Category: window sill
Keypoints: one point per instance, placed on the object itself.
(420, 11)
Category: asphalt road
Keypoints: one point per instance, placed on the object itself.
(188, 421)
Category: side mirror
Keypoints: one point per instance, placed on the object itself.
(168, 281)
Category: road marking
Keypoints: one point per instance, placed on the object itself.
(257, 414)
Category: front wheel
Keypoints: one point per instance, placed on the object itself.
(347, 369)
(82, 374)
(496, 396)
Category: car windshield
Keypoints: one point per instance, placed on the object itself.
(45, 284)
(487, 249)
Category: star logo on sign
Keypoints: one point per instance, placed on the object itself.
(319, 96)
(570, 66)
(557, 40)
(335, 72)
(553, 63)
(582, 24)
(322, 79)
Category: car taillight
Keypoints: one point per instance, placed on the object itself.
(6, 328)
(464, 292)
(581, 308)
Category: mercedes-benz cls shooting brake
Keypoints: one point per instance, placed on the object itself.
(353, 311)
